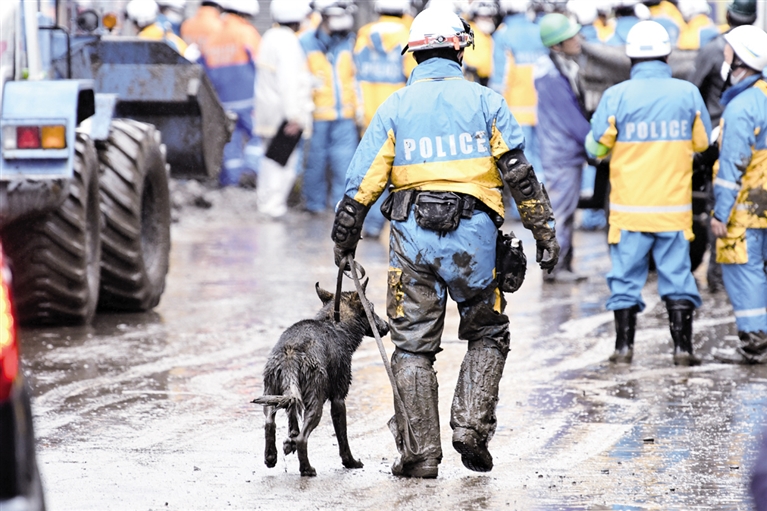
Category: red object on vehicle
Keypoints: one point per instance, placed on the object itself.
(28, 137)
(9, 347)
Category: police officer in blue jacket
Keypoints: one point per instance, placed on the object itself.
(447, 145)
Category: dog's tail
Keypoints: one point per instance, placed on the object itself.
(291, 400)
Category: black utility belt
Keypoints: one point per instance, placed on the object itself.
(434, 210)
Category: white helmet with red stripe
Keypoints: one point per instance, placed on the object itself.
(438, 27)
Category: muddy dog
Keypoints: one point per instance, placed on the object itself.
(312, 363)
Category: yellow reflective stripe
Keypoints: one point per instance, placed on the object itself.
(378, 174)
(699, 135)
(650, 209)
(498, 146)
(608, 138)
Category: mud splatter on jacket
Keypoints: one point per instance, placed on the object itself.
(441, 132)
(381, 67)
(331, 62)
(740, 184)
(653, 123)
(516, 46)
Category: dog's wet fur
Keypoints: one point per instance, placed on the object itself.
(310, 364)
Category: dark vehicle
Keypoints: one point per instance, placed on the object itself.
(20, 486)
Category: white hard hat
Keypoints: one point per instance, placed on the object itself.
(482, 8)
(750, 45)
(246, 7)
(625, 3)
(585, 11)
(514, 5)
(290, 11)
(394, 6)
(333, 7)
(175, 4)
(142, 12)
(647, 39)
(691, 8)
(438, 28)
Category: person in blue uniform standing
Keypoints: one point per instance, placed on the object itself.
(447, 145)
(653, 124)
(330, 53)
(740, 189)
(562, 131)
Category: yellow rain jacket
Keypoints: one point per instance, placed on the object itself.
(653, 123)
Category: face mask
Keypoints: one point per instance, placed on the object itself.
(725, 71)
(341, 23)
(485, 26)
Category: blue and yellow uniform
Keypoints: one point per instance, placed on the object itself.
(696, 33)
(668, 15)
(478, 61)
(740, 191)
(230, 61)
(422, 138)
(381, 67)
(516, 47)
(158, 32)
(653, 124)
(381, 70)
(336, 108)
(622, 27)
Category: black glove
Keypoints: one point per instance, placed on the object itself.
(510, 262)
(552, 247)
(347, 227)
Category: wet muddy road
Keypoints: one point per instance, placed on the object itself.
(153, 411)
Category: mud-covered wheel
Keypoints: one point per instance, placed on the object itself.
(135, 202)
(56, 257)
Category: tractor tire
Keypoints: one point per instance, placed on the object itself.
(56, 257)
(135, 201)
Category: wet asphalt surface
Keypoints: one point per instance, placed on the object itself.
(152, 411)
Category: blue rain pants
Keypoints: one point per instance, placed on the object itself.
(746, 284)
(242, 152)
(630, 259)
(563, 185)
(334, 143)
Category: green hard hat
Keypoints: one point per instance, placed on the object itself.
(742, 12)
(556, 28)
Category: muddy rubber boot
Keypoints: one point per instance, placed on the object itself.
(753, 347)
(472, 416)
(417, 383)
(625, 327)
(680, 324)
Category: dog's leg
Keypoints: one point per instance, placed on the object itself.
(338, 412)
(289, 446)
(270, 430)
(312, 416)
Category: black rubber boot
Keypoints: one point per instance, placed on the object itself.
(625, 327)
(753, 347)
(680, 324)
(417, 384)
(476, 395)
